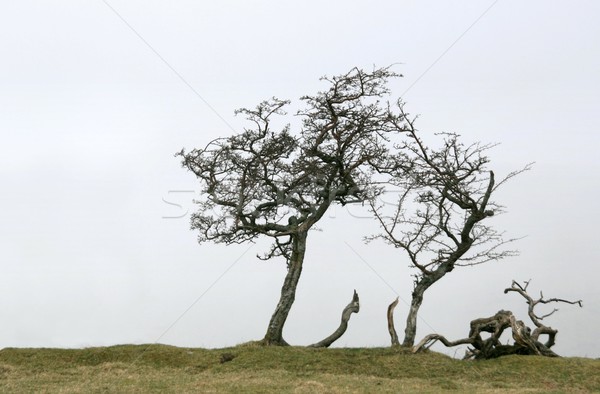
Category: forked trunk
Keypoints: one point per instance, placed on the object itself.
(274, 335)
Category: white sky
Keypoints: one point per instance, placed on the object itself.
(90, 116)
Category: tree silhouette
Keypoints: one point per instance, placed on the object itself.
(278, 183)
(439, 219)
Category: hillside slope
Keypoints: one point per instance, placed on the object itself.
(249, 368)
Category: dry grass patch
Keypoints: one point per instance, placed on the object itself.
(142, 369)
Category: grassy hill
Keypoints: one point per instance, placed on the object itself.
(160, 368)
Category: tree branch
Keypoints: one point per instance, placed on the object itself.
(352, 307)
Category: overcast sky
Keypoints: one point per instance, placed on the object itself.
(97, 96)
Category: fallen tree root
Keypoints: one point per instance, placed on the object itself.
(526, 342)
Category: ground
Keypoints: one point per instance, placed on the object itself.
(251, 368)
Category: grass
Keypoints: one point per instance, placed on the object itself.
(160, 368)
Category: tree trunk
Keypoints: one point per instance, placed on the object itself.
(352, 307)
(274, 335)
(421, 286)
(410, 331)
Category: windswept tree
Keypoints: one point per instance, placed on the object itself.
(278, 183)
(440, 219)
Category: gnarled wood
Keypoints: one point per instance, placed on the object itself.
(432, 338)
(525, 342)
(540, 329)
(390, 319)
(352, 307)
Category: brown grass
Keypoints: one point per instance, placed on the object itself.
(159, 368)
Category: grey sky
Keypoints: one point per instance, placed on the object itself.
(91, 254)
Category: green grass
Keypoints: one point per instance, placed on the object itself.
(160, 368)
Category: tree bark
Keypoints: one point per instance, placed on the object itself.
(352, 307)
(421, 286)
(410, 331)
(274, 335)
(390, 319)
(425, 283)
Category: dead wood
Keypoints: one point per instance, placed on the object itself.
(352, 307)
(526, 342)
(390, 319)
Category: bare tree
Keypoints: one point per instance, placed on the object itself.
(439, 219)
(278, 183)
(526, 341)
